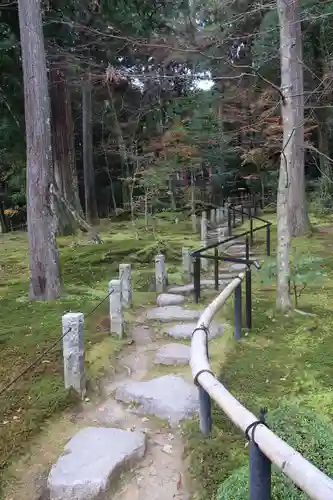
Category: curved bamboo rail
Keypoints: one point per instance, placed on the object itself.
(306, 476)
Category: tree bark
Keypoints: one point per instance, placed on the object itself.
(44, 257)
(88, 165)
(293, 117)
(64, 166)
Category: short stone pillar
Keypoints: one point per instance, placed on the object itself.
(213, 216)
(218, 216)
(204, 262)
(187, 261)
(116, 308)
(221, 235)
(160, 273)
(73, 352)
(194, 223)
(125, 276)
(203, 226)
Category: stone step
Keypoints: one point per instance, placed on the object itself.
(169, 397)
(172, 313)
(205, 283)
(169, 299)
(92, 461)
(185, 330)
(238, 267)
(173, 354)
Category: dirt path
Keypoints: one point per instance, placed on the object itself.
(159, 475)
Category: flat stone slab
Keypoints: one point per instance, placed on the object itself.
(169, 299)
(168, 397)
(172, 313)
(185, 330)
(223, 278)
(238, 267)
(173, 354)
(92, 459)
(181, 288)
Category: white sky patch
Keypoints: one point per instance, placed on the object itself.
(204, 84)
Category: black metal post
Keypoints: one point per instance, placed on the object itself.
(251, 230)
(248, 293)
(268, 240)
(247, 248)
(205, 411)
(260, 470)
(229, 222)
(233, 217)
(254, 206)
(216, 268)
(238, 312)
(196, 278)
(242, 212)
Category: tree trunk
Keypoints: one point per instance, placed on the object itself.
(3, 222)
(44, 257)
(293, 114)
(88, 166)
(65, 174)
(283, 237)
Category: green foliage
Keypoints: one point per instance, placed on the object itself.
(304, 270)
(302, 429)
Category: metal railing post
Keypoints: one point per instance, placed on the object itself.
(268, 240)
(233, 217)
(205, 405)
(196, 278)
(242, 212)
(260, 471)
(248, 292)
(229, 222)
(251, 231)
(216, 268)
(238, 312)
(205, 412)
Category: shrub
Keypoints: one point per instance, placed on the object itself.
(303, 430)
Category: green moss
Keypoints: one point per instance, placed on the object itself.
(282, 357)
(27, 328)
(309, 434)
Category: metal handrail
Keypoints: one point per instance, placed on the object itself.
(265, 446)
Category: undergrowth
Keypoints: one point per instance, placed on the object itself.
(284, 358)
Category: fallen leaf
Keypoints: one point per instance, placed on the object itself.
(179, 484)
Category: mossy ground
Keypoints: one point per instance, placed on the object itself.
(27, 328)
(283, 358)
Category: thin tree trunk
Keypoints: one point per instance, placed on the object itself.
(65, 174)
(88, 165)
(292, 85)
(44, 257)
(291, 155)
(125, 168)
(3, 224)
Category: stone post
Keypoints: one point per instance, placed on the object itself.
(204, 262)
(125, 276)
(116, 308)
(221, 234)
(203, 226)
(194, 223)
(187, 261)
(160, 273)
(218, 216)
(213, 216)
(73, 352)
